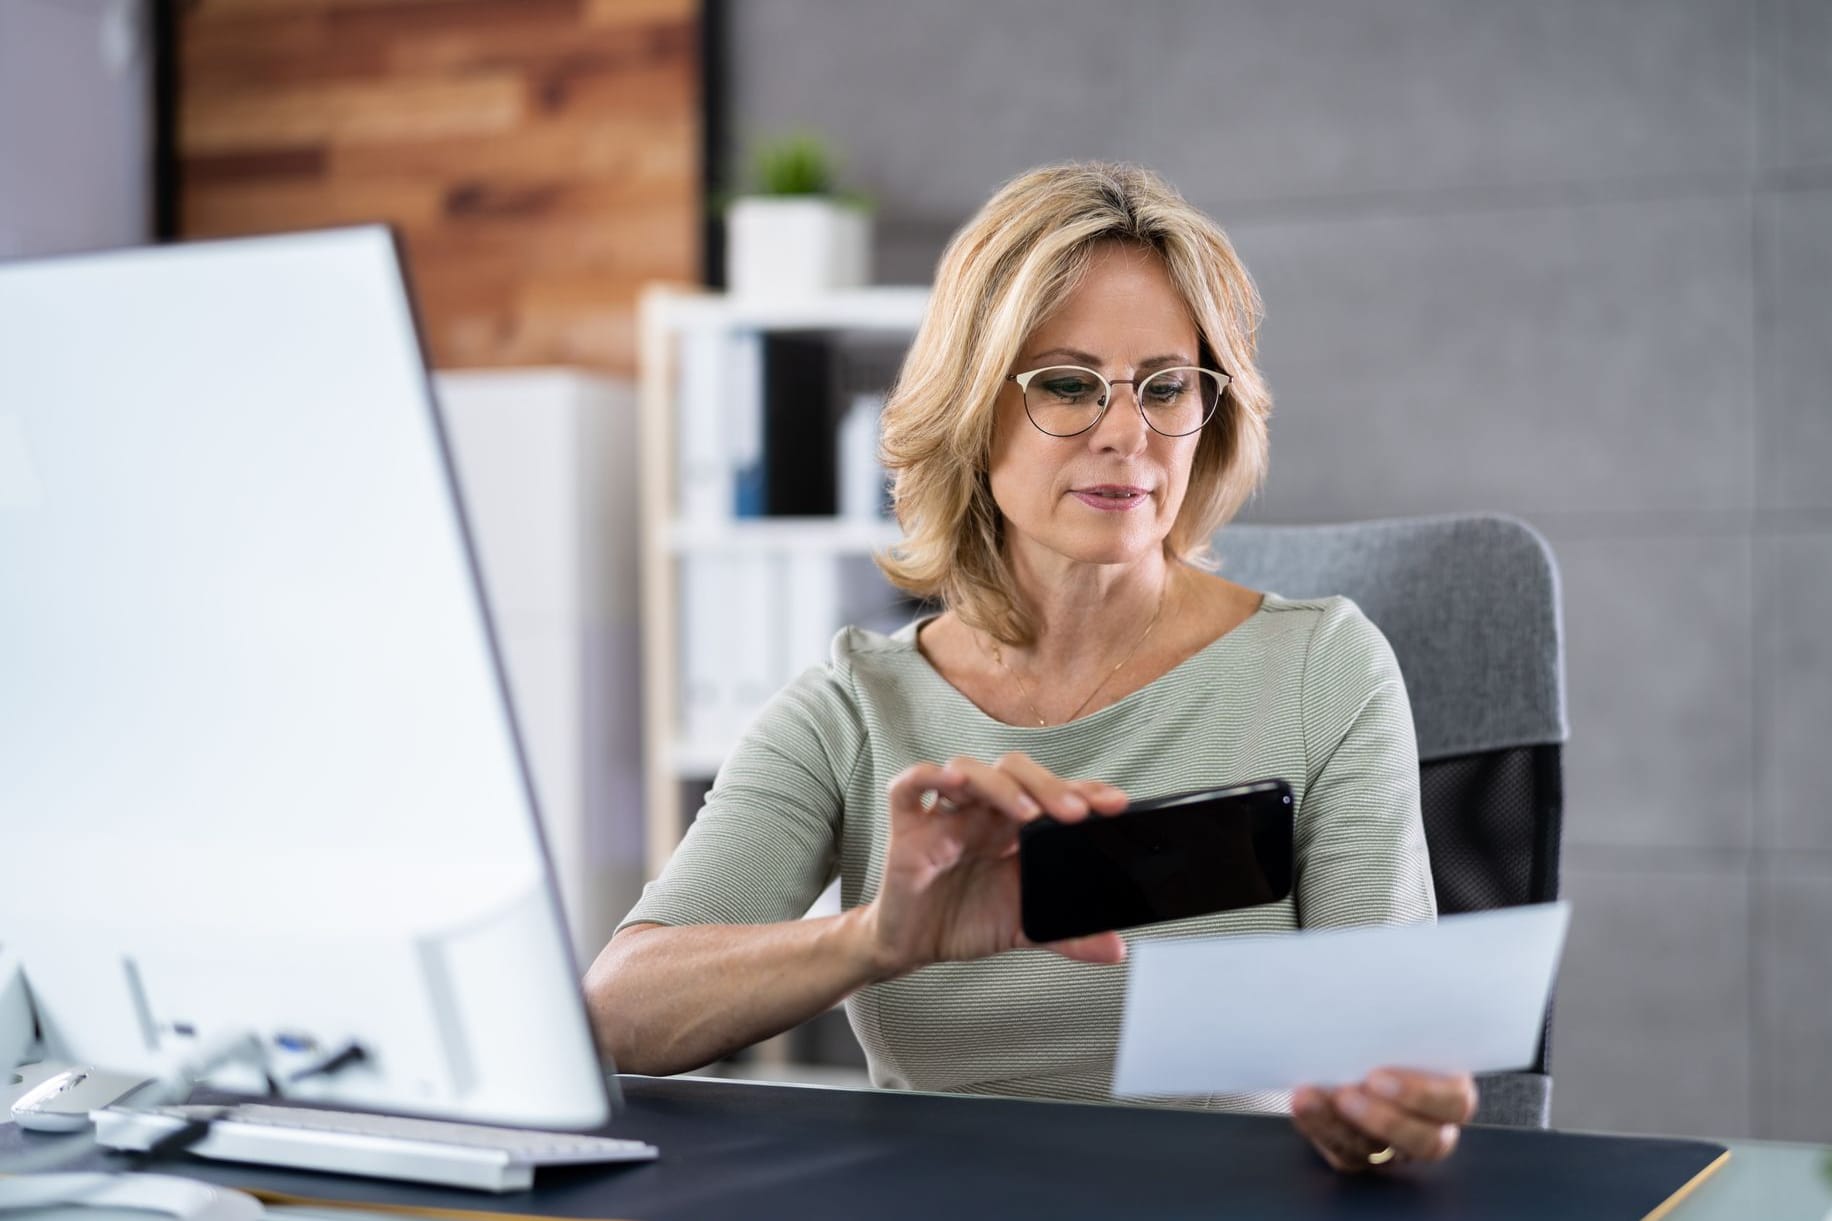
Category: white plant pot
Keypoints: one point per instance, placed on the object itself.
(795, 247)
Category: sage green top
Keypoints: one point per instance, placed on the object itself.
(1307, 691)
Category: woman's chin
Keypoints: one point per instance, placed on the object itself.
(1109, 546)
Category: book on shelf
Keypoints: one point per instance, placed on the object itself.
(799, 423)
(771, 425)
(754, 619)
(753, 633)
(861, 489)
(807, 593)
(780, 424)
(862, 376)
(744, 413)
(702, 462)
(708, 699)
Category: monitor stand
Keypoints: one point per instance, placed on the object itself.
(121, 1197)
(17, 1029)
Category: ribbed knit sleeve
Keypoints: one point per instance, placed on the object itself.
(766, 843)
(1361, 838)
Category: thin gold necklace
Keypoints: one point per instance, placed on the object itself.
(1106, 678)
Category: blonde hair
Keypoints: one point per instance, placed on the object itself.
(999, 278)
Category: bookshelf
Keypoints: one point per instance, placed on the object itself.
(671, 322)
(546, 461)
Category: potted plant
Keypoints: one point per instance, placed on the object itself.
(794, 233)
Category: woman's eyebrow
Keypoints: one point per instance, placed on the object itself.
(1088, 358)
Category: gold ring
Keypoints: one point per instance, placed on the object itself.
(1380, 1157)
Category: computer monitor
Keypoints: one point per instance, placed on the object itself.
(259, 771)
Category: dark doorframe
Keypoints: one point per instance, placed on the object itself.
(162, 19)
(715, 151)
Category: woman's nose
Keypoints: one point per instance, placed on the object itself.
(1122, 426)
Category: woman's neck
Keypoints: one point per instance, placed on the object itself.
(1087, 614)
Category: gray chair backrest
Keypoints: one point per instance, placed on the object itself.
(1470, 605)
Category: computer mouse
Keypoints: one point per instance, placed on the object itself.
(62, 1101)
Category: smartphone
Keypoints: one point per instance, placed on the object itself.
(1167, 858)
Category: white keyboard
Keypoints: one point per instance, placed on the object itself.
(383, 1146)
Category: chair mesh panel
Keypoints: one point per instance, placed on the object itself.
(1492, 823)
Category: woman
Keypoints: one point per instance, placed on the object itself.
(1079, 412)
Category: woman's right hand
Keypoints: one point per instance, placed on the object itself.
(950, 885)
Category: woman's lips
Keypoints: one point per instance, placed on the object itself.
(1111, 497)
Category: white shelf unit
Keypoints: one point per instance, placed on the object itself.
(546, 462)
(666, 314)
(799, 534)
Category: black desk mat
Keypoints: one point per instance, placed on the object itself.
(733, 1150)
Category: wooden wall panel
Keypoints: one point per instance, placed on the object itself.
(540, 157)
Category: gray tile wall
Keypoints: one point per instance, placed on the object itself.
(1570, 260)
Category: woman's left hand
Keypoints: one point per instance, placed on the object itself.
(1418, 1115)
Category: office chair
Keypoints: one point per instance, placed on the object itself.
(1470, 605)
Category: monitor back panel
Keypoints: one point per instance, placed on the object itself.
(254, 722)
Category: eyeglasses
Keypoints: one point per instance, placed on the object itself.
(1067, 400)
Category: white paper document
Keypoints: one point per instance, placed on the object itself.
(1226, 1014)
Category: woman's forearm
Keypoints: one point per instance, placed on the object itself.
(667, 999)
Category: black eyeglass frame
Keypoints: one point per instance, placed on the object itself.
(1106, 398)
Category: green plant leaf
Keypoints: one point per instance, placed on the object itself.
(795, 164)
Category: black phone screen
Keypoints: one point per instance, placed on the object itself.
(1168, 858)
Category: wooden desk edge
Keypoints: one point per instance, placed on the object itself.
(404, 1210)
(1673, 1201)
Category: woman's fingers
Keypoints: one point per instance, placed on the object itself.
(1444, 1097)
(1419, 1138)
(1103, 949)
(1066, 799)
(1415, 1113)
(995, 787)
(908, 786)
(1101, 796)
(1016, 785)
(1059, 797)
(1341, 1143)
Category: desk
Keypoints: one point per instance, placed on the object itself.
(740, 1150)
